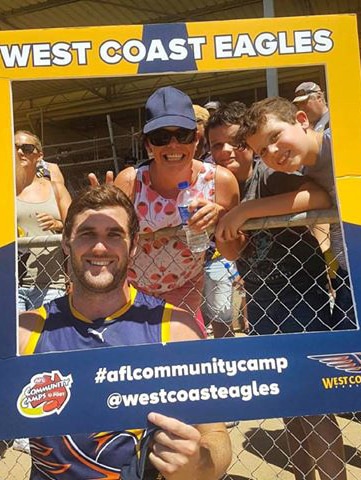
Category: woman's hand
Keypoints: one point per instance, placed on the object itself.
(48, 222)
(94, 182)
(205, 214)
(229, 227)
(176, 450)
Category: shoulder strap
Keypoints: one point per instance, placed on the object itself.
(252, 186)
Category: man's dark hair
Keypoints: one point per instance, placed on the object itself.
(226, 114)
(97, 198)
(256, 115)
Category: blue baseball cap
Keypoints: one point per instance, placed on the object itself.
(169, 107)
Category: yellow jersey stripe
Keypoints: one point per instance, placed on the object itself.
(35, 335)
(118, 313)
(166, 319)
(126, 307)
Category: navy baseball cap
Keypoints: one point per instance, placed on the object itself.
(169, 107)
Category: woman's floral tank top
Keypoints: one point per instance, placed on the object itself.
(164, 262)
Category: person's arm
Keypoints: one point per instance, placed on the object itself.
(63, 198)
(181, 451)
(55, 172)
(125, 180)
(227, 195)
(207, 213)
(308, 197)
(183, 326)
(227, 189)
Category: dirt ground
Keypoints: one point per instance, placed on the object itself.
(260, 450)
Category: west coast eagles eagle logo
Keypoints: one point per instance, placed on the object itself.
(347, 362)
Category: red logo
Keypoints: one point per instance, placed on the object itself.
(47, 393)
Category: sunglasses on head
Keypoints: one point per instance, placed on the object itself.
(26, 148)
(162, 137)
(302, 93)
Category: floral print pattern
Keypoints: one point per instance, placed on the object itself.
(164, 263)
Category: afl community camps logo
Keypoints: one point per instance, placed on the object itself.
(45, 394)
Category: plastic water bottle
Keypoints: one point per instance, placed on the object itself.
(235, 277)
(197, 241)
(232, 272)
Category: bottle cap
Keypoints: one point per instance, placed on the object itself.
(183, 185)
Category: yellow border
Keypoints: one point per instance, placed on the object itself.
(7, 206)
(87, 52)
(339, 54)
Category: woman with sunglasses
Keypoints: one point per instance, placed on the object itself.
(164, 265)
(41, 208)
(25, 169)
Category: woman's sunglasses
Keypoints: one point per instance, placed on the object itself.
(26, 148)
(162, 137)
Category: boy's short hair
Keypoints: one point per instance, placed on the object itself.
(97, 198)
(227, 114)
(256, 115)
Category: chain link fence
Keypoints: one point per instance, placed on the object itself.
(289, 282)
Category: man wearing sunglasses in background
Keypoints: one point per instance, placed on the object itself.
(163, 264)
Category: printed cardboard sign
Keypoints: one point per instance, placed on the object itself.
(205, 381)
